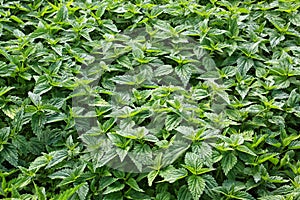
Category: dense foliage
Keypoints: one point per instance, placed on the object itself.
(233, 128)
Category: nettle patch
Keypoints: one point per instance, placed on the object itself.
(150, 99)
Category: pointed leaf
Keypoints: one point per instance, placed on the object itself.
(228, 162)
(196, 185)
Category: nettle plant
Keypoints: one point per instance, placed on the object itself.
(166, 98)
(147, 99)
(151, 98)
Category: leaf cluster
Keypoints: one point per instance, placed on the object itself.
(248, 149)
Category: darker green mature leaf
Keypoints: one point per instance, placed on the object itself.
(244, 65)
(233, 27)
(42, 86)
(172, 121)
(38, 163)
(57, 157)
(193, 162)
(196, 185)
(56, 117)
(68, 193)
(113, 196)
(40, 192)
(83, 191)
(171, 174)
(163, 70)
(210, 183)
(163, 196)
(293, 99)
(115, 187)
(62, 14)
(136, 195)
(106, 181)
(184, 72)
(4, 135)
(10, 153)
(275, 39)
(184, 193)
(6, 70)
(228, 161)
(133, 184)
(70, 175)
(37, 123)
(243, 195)
(245, 149)
(35, 98)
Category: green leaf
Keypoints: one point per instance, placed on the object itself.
(68, 193)
(228, 161)
(200, 94)
(40, 192)
(275, 39)
(5, 89)
(62, 14)
(83, 191)
(163, 70)
(110, 25)
(196, 185)
(167, 86)
(57, 157)
(25, 76)
(42, 86)
(211, 183)
(294, 145)
(35, 98)
(244, 65)
(4, 134)
(106, 181)
(151, 176)
(17, 19)
(113, 196)
(286, 141)
(37, 123)
(293, 99)
(243, 195)
(265, 157)
(184, 72)
(124, 80)
(133, 184)
(184, 193)
(171, 174)
(245, 149)
(10, 110)
(172, 121)
(39, 162)
(193, 162)
(163, 196)
(115, 187)
(10, 153)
